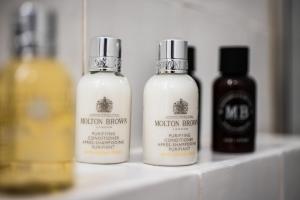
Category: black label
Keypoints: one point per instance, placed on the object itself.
(235, 112)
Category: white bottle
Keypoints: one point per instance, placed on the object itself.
(103, 110)
(170, 129)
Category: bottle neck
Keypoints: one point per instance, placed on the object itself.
(103, 71)
(172, 66)
(105, 64)
(172, 72)
(27, 53)
(233, 75)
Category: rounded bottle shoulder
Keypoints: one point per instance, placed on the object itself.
(35, 62)
(102, 79)
(37, 69)
(171, 79)
(171, 82)
(234, 82)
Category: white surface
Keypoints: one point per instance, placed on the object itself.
(271, 173)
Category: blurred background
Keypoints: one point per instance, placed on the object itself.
(271, 28)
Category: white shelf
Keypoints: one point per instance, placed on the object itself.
(272, 172)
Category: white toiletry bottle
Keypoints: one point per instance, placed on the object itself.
(170, 132)
(103, 110)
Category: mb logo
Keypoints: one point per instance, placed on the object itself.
(236, 112)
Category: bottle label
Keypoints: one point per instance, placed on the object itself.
(104, 131)
(235, 112)
(174, 135)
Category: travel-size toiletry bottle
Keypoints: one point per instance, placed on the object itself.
(234, 103)
(170, 123)
(37, 109)
(103, 110)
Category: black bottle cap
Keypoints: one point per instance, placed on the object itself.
(234, 60)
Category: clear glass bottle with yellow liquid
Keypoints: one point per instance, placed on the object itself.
(37, 109)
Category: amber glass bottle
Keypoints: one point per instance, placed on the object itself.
(234, 99)
(37, 111)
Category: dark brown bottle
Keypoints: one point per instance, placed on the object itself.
(234, 103)
(191, 72)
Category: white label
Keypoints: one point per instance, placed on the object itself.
(171, 132)
(103, 126)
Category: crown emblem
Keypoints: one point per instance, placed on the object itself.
(180, 107)
(104, 105)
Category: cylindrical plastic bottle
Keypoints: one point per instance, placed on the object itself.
(103, 111)
(170, 131)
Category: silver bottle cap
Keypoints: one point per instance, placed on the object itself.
(34, 30)
(172, 57)
(105, 54)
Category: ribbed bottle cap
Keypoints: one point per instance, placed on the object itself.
(34, 30)
(172, 56)
(105, 54)
(234, 60)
